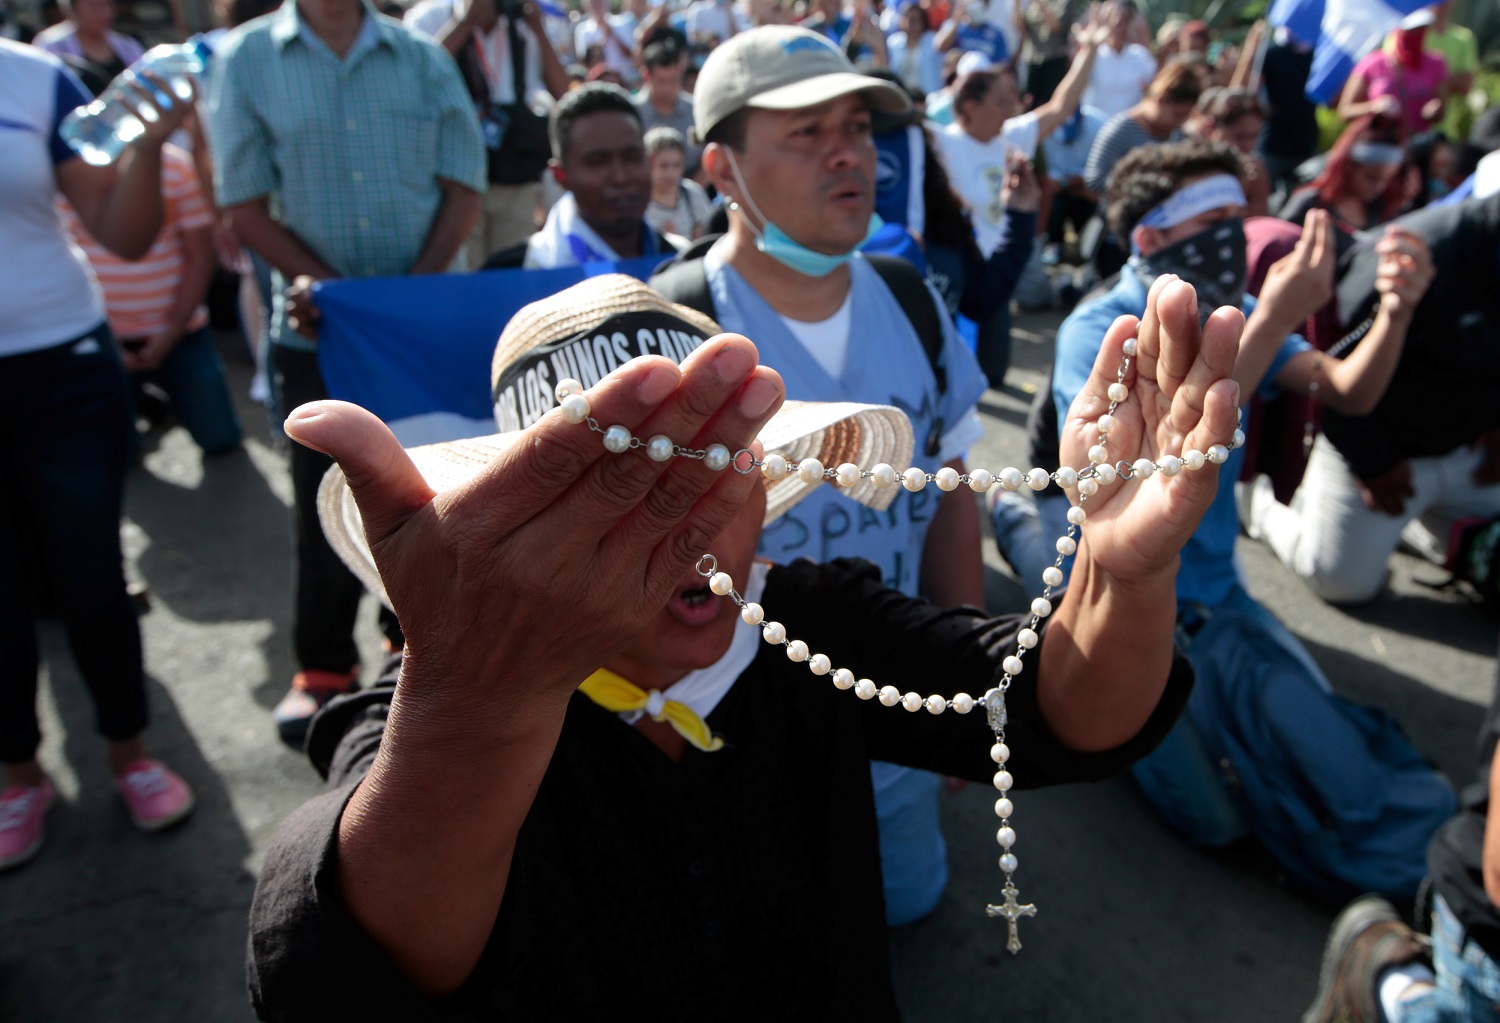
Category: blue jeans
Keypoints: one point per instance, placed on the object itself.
(1468, 980)
(64, 433)
(192, 375)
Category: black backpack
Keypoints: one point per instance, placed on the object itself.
(685, 281)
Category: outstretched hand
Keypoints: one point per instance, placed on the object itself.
(519, 583)
(1180, 398)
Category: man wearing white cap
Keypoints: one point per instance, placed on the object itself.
(786, 122)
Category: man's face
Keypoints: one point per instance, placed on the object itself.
(1150, 239)
(985, 117)
(666, 169)
(94, 16)
(605, 168)
(914, 21)
(666, 79)
(1242, 133)
(811, 171)
(696, 627)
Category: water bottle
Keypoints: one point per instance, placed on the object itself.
(100, 131)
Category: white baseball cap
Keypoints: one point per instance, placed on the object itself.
(781, 67)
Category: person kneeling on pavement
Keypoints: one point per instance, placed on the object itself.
(590, 789)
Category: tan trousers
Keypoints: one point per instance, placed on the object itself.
(508, 217)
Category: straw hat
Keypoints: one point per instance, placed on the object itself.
(585, 332)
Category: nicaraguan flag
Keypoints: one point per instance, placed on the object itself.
(1341, 32)
(416, 351)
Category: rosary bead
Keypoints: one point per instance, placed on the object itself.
(1027, 638)
(980, 480)
(912, 702)
(962, 703)
(1041, 607)
(1239, 438)
(773, 632)
(1217, 454)
(1037, 479)
(819, 664)
(1003, 780)
(617, 440)
(1067, 478)
(575, 408)
(936, 704)
(1118, 392)
(1006, 837)
(1169, 465)
(843, 678)
(1066, 546)
(1012, 665)
(883, 475)
(720, 584)
(946, 478)
(810, 470)
(1077, 515)
(1052, 576)
(1010, 478)
(567, 386)
(796, 650)
(1130, 347)
(999, 753)
(1107, 423)
(1088, 488)
(914, 479)
(890, 695)
(1004, 807)
(1193, 459)
(716, 457)
(864, 689)
(774, 467)
(752, 613)
(659, 448)
(1008, 863)
(1105, 473)
(847, 475)
(1143, 468)
(1098, 453)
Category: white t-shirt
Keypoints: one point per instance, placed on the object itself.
(1119, 78)
(826, 340)
(710, 18)
(977, 171)
(47, 291)
(429, 16)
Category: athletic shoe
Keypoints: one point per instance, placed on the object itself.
(310, 690)
(22, 808)
(155, 796)
(1366, 938)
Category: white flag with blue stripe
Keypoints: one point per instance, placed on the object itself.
(1342, 32)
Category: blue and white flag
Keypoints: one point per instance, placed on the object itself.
(416, 351)
(1341, 33)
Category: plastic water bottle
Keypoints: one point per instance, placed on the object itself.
(100, 131)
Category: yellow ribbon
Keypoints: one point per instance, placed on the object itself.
(614, 693)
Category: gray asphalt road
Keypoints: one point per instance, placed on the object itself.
(1133, 924)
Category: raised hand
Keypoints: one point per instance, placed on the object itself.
(1404, 272)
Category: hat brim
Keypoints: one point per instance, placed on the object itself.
(832, 432)
(810, 92)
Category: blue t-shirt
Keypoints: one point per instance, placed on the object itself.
(1209, 570)
(886, 366)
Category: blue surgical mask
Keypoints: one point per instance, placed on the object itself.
(789, 252)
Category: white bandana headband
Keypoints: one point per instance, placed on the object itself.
(1383, 153)
(1195, 199)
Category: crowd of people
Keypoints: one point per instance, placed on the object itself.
(861, 191)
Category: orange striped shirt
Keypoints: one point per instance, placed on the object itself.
(139, 295)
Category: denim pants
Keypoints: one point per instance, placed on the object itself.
(64, 433)
(326, 593)
(1468, 980)
(192, 375)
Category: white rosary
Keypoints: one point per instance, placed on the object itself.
(618, 439)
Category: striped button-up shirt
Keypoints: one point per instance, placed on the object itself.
(349, 151)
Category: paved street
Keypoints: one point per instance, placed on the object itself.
(1133, 924)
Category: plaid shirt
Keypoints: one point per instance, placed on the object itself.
(348, 151)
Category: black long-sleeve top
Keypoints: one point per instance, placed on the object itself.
(740, 884)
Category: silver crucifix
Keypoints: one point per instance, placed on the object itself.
(1012, 911)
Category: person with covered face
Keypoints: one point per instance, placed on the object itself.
(1409, 84)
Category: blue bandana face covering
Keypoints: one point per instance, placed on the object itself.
(787, 251)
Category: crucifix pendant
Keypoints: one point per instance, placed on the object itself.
(1012, 911)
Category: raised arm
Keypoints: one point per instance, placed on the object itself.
(511, 590)
(1109, 648)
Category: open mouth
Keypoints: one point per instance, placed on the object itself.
(694, 605)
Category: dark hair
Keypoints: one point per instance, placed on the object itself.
(730, 131)
(976, 85)
(1147, 175)
(1226, 106)
(1179, 81)
(592, 98)
(1334, 179)
(947, 219)
(667, 47)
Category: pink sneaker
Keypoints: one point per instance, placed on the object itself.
(21, 811)
(155, 796)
